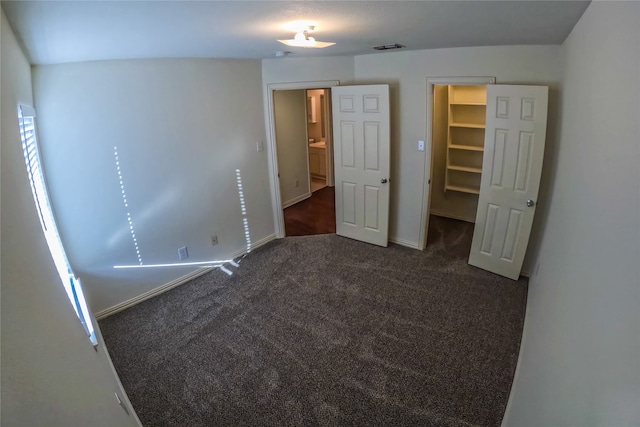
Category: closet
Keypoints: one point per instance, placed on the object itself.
(458, 138)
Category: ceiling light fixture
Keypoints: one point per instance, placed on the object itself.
(302, 39)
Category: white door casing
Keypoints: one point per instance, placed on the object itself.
(516, 122)
(361, 137)
(428, 169)
(276, 197)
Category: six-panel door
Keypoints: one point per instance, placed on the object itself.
(515, 133)
(361, 158)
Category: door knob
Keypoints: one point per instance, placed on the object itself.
(383, 180)
(530, 203)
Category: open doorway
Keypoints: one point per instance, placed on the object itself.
(455, 127)
(302, 135)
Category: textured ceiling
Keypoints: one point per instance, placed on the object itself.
(69, 31)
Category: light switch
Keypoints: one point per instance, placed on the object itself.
(259, 146)
(420, 145)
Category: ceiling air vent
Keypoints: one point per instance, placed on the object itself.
(389, 46)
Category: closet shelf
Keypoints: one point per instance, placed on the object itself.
(465, 147)
(467, 103)
(464, 169)
(462, 189)
(467, 125)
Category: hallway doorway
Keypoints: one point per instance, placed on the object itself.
(302, 169)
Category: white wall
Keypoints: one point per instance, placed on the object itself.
(406, 72)
(182, 128)
(51, 375)
(300, 69)
(291, 137)
(580, 356)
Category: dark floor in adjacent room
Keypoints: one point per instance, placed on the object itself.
(323, 330)
(315, 215)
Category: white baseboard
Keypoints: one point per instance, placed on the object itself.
(526, 274)
(436, 213)
(401, 242)
(174, 283)
(254, 245)
(152, 293)
(295, 200)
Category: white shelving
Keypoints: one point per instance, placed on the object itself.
(464, 189)
(465, 138)
(464, 169)
(465, 147)
(467, 125)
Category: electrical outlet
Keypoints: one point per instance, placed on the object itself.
(214, 240)
(182, 253)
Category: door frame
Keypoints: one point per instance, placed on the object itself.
(428, 169)
(276, 200)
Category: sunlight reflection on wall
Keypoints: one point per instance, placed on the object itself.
(222, 264)
(126, 206)
(243, 208)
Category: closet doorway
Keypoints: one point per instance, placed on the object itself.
(503, 172)
(455, 126)
(301, 129)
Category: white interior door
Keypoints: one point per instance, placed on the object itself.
(516, 124)
(361, 138)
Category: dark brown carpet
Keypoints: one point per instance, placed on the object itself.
(326, 331)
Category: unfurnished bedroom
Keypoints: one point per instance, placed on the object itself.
(320, 213)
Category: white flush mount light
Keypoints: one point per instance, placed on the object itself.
(303, 39)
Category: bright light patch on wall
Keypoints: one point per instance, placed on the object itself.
(223, 264)
(243, 210)
(126, 206)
